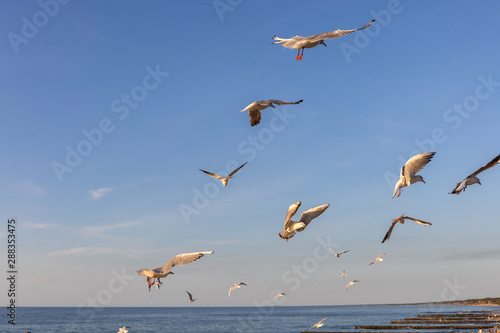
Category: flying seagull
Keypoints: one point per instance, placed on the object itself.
(163, 271)
(255, 108)
(300, 43)
(224, 180)
(237, 285)
(338, 254)
(472, 179)
(401, 219)
(408, 174)
(191, 299)
(351, 283)
(343, 274)
(279, 295)
(377, 259)
(291, 226)
(123, 329)
(318, 324)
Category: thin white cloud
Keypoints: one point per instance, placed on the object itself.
(98, 194)
(100, 230)
(33, 225)
(98, 251)
(228, 242)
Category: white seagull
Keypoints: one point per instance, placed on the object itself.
(163, 271)
(408, 174)
(123, 329)
(237, 285)
(318, 324)
(401, 219)
(343, 273)
(351, 283)
(279, 295)
(255, 108)
(291, 226)
(338, 254)
(191, 299)
(224, 180)
(300, 43)
(377, 259)
(472, 179)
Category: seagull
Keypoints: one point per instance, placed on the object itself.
(123, 329)
(408, 174)
(401, 219)
(163, 271)
(338, 254)
(291, 226)
(237, 285)
(255, 108)
(343, 274)
(472, 179)
(351, 283)
(318, 324)
(301, 43)
(224, 180)
(377, 259)
(191, 299)
(279, 295)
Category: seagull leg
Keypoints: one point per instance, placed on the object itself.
(298, 53)
(399, 193)
(300, 58)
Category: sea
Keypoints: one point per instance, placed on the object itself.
(283, 319)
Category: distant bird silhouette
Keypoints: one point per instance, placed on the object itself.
(224, 180)
(338, 254)
(377, 259)
(291, 226)
(401, 219)
(279, 295)
(408, 172)
(318, 324)
(163, 271)
(343, 274)
(123, 329)
(255, 108)
(472, 179)
(300, 43)
(191, 299)
(237, 285)
(351, 283)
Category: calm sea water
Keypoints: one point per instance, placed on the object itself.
(212, 320)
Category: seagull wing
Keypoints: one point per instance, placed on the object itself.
(312, 213)
(278, 102)
(418, 221)
(344, 252)
(291, 212)
(388, 234)
(415, 164)
(211, 174)
(249, 106)
(190, 296)
(236, 170)
(490, 165)
(181, 259)
(336, 34)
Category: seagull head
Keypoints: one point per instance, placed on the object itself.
(322, 42)
(419, 178)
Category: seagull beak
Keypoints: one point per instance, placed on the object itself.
(423, 181)
(479, 182)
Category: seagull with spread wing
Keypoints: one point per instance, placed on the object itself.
(401, 219)
(255, 108)
(472, 179)
(279, 295)
(191, 299)
(318, 324)
(377, 259)
(300, 43)
(343, 274)
(236, 285)
(351, 283)
(163, 271)
(408, 174)
(338, 254)
(224, 180)
(123, 329)
(291, 226)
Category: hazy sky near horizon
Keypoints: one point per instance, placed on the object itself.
(109, 110)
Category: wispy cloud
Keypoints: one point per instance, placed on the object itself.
(92, 251)
(227, 242)
(475, 255)
(98, 194)
(101, 230)
(33, 225)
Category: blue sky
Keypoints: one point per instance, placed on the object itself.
(158, 88)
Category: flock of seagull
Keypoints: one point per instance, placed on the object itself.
(408, 176)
